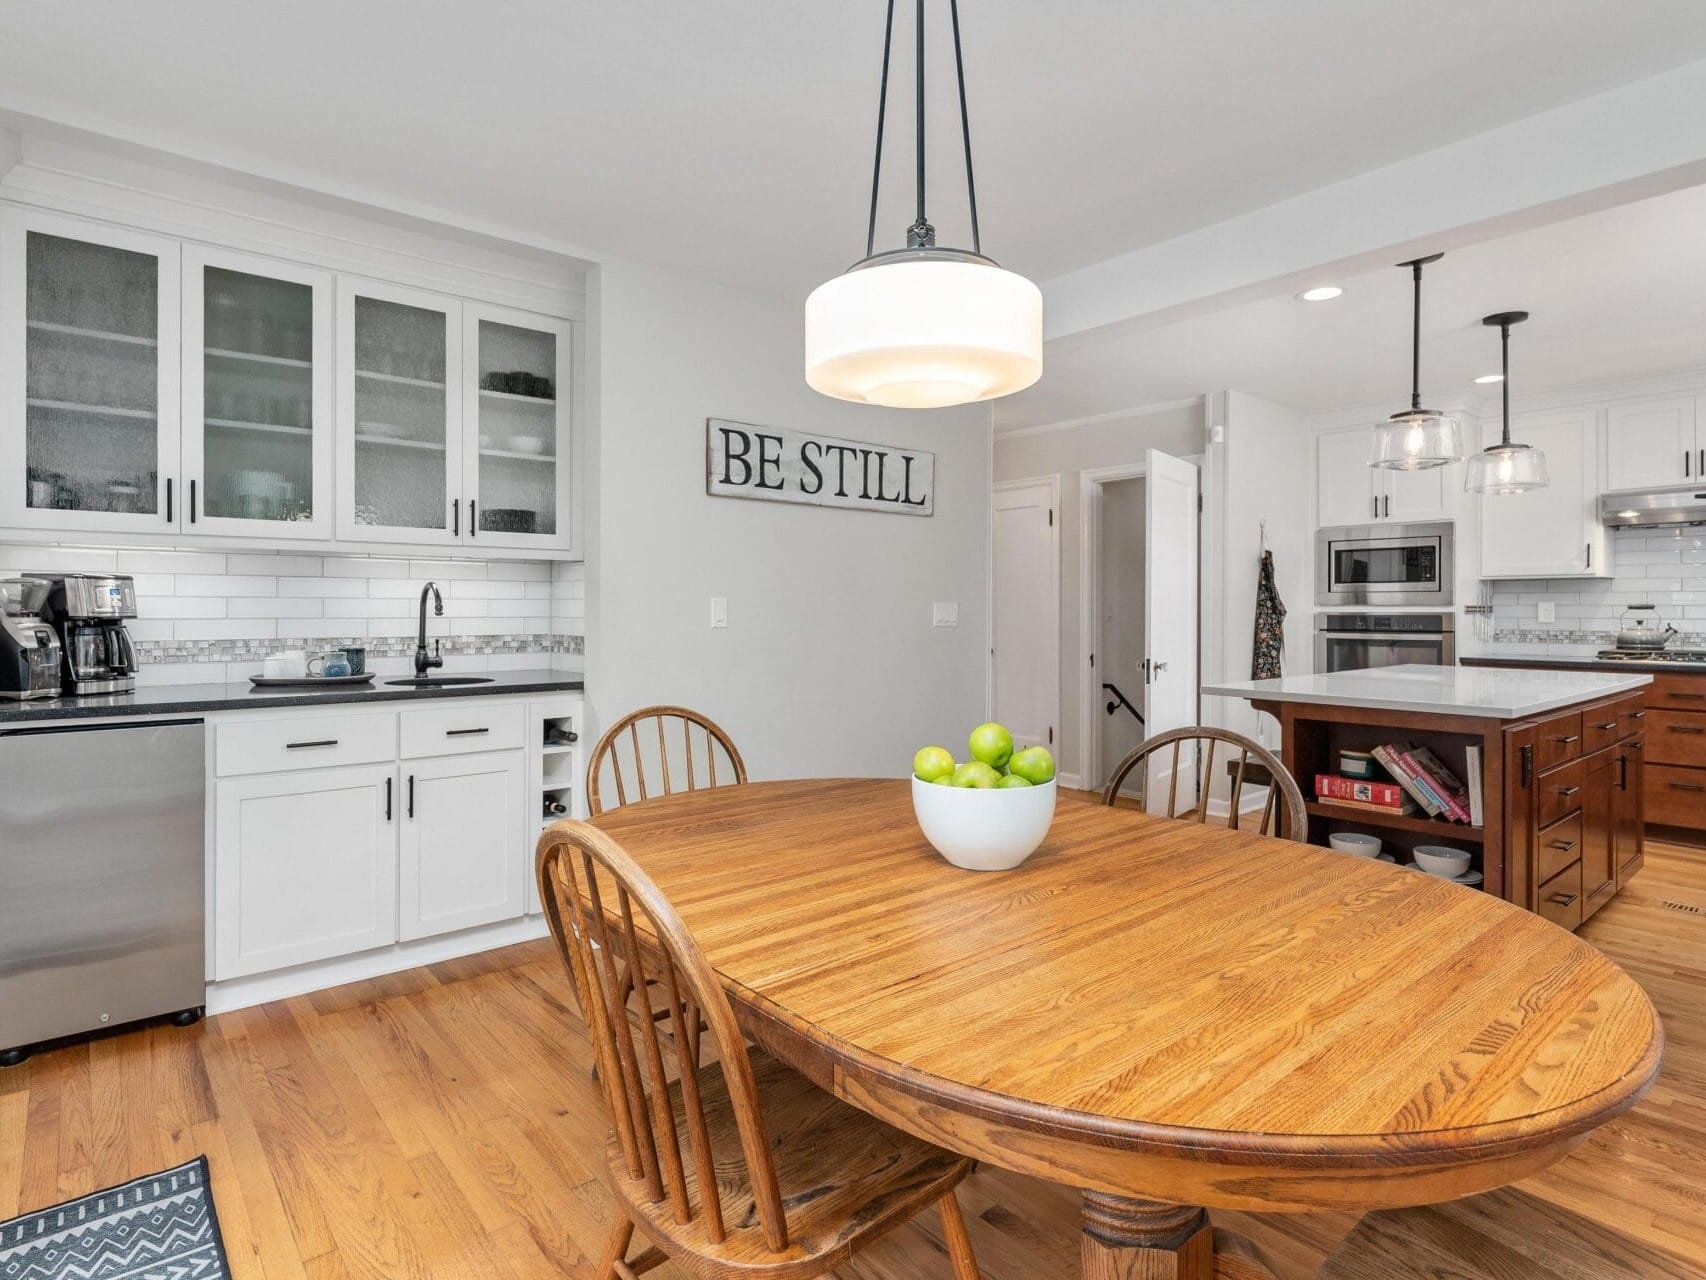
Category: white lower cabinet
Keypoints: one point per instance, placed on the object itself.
(305, 867)
(463, 832)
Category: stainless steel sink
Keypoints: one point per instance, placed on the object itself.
(439, 682)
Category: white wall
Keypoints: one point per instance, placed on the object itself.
(1065, 452)
(829, 664)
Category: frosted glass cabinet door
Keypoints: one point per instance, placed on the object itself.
(399, 418)
(518, 442)
(257, 397)
(88, 376)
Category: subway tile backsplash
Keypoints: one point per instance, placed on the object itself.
(214, 616)
(1665, 568)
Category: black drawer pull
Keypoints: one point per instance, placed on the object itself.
(1567, 739)
(1562, 899)
(411, 795)
(463, 733)
(1563, 846)
(1692, 697)
(319, 742)
(1568, 791)
(387, 799)
(1609, 724)
(1685, 728)
(1688, 786)
(1637, 715)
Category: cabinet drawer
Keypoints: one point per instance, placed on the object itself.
(1557, 847)
(1675, 797)
(1557, 739)
(307, 742)
(1602, 726)
(1679, 693)
(1560, 898)
(1677, 737)
(1559, 794)
(451, 730)
(1632, 715)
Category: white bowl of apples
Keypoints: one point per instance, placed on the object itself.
(988, 813)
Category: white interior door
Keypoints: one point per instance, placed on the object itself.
(1170, 602)
(1026, 589)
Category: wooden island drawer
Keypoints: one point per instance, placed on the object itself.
(1602, 726)
(1677, 737)
(1675, 797)
(1557, 739)
(1557, 846)
(1560, 898)
(1560, 794)
(1677, 692)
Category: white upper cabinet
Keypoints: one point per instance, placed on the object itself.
(1552, 532)
(88, 376)
(257, 388)
(1350, 492)
(517, 451)
(1654, 444)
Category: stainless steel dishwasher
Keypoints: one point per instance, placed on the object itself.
(102, 867)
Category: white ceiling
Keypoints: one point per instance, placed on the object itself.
(1619, 294)
(732, 138)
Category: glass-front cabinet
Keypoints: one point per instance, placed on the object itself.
(400, 437)
(257, 389)
(516, 448)
(88, 376)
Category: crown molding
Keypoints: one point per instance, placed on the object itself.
(1097, 419)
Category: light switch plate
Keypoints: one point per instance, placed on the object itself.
(945, 613)
(719, 611)
(1548, 611)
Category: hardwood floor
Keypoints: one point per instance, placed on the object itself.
(442, 1123)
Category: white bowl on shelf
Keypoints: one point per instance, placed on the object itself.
(1438, 860)
(1355, 843)
(983, 829)
(528, 444)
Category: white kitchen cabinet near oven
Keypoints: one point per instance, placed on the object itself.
(1553, 532)
(1350, 492)
(305, 866)
(464, 837)
(1654, 444)
(88, 377)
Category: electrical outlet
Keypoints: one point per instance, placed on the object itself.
(945, 613)
(1548, 611)
(719, 611)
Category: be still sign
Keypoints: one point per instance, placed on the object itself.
(774, 464)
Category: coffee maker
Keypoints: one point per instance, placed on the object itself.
(29, 648)
(87, 612)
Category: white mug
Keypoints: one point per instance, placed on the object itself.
(292, 664)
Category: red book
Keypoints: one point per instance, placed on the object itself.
(1384, 795)
(1447, 784)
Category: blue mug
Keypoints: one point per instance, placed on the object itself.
(333, 664)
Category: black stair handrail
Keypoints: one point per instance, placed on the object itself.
(1120, 700)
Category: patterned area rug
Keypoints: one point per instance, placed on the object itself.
(161, 1227)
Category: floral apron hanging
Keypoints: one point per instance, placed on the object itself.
(1269, 646)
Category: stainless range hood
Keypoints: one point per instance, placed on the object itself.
(1652, 510)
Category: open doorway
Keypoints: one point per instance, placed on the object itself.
(1118, 642)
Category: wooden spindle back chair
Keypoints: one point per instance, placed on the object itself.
(1282, 812)
(610, 921)
(652, 751)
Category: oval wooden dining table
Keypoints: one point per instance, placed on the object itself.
(1170, 1016)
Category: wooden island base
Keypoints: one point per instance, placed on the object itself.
(1126, 1239)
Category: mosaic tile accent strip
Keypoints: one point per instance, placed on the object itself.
(176, 651)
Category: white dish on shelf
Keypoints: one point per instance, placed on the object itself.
(1355, 843)
(1468, 877)
(1442, 860)
(528, 444)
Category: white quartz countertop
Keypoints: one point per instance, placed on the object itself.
(1498, 693)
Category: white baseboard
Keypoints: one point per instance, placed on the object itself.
(1071, 781)
(240, 993)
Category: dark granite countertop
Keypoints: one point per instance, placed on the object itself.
(199, 699)
(1591, 664)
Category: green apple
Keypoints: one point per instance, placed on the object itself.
(1033, 764)
(946, 780)
(992, 744)
(932, 763)
(975, 773)
(1013, 780)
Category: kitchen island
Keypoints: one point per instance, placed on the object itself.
(1561, 760)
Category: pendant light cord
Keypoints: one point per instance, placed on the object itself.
(965, 127)
(1505, 382)
(1416, 341)
(882, 112)
(921, 223)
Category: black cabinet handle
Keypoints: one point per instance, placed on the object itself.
(473, 517)
(411, 795)
(1590, 555)
(387, 799)
(1637, 715)
(1386, 505)
(1568, 791)
(1563, 846)
(1687, 786)
(456, 517)
(1527, 766)
(168, 499)
(1609, 724)
(1562, 899)
(192, 501)
(463, 733)
(1374, 504)
(318, 742)
(1685, 728)
(1568, 738)
(1692, 697)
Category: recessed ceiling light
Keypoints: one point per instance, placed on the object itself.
(1491, 377)
(1321, 293)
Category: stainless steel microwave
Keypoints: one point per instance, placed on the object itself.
(1384, 564)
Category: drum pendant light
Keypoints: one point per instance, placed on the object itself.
(1417, 439)
(923, 327)
(1506, 467)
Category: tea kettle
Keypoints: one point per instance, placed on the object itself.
(1643, 630)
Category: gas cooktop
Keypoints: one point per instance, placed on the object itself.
(1652, 655)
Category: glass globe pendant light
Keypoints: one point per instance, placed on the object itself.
(1417, 439)
(924, 326)
(1506, 467)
